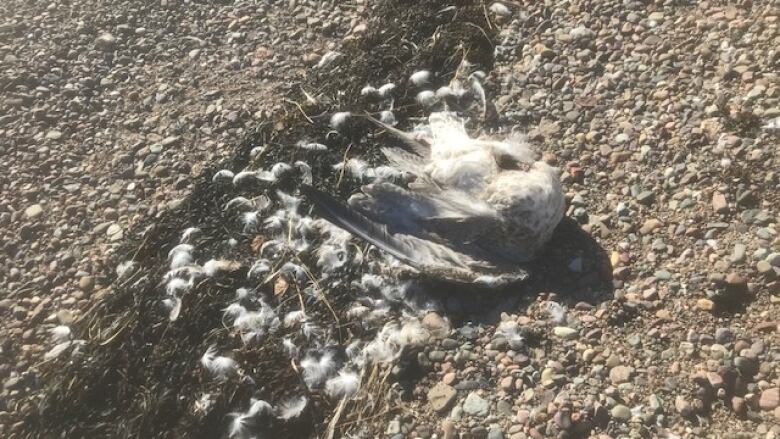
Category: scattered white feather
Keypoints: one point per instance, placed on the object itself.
(243, 422)
(331, 258)
(177, 286)
(328, 59)
(420, 78)
(256, 151)
(259, 269)
(181, 259)
(479, 75)
(369, 91)
(181, 248)
(203, 404)
(311, 331)
(386, 90)
(289, 202)
(60, 334)
(500, 9)
(234, 310)
(345, 384)
(354, 349)
(214, 267)
(292, 318)
(305, 170)
(511, 332)
(312, 292)
(290, 347)
(556, 311)
(188, 234)
(387, 117)
(479, 91)
(124, 269)
(254, 325)
(240, 203)
(217, 365)
(355, 168)
(265, 176)
(293, 270)
(291, 408)
(191, 272)
(371, 282)
(57, 350)
(317, 370)
(274, 224)
(280, 169)
(224, 176)
(250, 221)
(357, 311)
(242, 293)
(444, 92)
(339, 120)
(173, 304)
(393, 337)
(426, 98)
(244, 177)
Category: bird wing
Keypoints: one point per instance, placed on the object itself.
(420, 254)
(410, 211)
(450, 217)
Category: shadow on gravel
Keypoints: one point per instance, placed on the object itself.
(573, 267)
(139, 374)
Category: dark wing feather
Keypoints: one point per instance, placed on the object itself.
(420, 254)
(356, 224)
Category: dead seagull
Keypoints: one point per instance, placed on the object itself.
(475, 212)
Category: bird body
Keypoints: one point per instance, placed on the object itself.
(475, 209)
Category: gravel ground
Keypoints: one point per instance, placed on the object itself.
(109, 110)
(654, 113)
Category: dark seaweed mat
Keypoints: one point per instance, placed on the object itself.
(139, 376)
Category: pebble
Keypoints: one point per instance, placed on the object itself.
(682, 406)
(620, 374)
(474, 405)
(495, 433)
(441, 396)
(719, 203)
(705, 304)
(763, 267)
(33, 211)
(770, 399)
(621, 412)
(114, 232)
(738, 254)
(565, 333)
(649, 226)
(645, 197)
(436, 325)
(105, 42)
